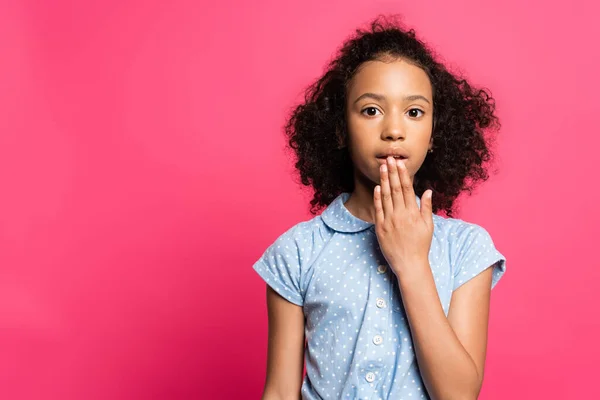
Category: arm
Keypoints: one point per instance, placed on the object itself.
(450, 351)
(285, 357)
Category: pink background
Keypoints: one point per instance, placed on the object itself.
(142, 174)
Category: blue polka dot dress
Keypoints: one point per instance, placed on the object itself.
(359, 344)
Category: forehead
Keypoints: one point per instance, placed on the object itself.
(394, 79)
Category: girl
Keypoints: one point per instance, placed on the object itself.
(378, 295)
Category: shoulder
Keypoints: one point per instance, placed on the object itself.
(299, 240)
(455, 229)
(302, 232)
(470, 249)
(461, 238)
(284, 263)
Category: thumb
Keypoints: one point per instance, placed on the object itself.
(426, 207)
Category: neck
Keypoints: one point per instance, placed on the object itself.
(360, 203)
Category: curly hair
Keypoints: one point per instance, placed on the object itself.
(316, 129)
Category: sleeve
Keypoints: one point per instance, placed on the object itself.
(279, 267)
(476, 252)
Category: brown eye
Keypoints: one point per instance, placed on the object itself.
(414, 113)
(370, 111)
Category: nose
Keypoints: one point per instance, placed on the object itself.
(393, 128)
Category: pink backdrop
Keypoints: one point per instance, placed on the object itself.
(142, 174)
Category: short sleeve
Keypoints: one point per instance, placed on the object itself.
(279, 267)
(475, 253)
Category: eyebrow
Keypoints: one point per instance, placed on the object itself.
(380, 97)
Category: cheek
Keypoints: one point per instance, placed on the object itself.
(359, 149)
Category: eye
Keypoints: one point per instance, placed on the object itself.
(371, 111)
(414, 113)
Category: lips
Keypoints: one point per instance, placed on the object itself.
(383, 160)
(396, 153)
(396, 157)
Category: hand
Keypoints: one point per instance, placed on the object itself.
(404, 232)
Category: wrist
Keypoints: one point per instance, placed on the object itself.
(413, 271)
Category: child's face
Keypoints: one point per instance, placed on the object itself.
(389, 108)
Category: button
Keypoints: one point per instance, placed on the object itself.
(370, 377)
(380, 302)
(377, 340)
(381, 269)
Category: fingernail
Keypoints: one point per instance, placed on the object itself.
(383, 168)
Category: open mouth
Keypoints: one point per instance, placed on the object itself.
(384, 158)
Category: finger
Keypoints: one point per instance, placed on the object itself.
(395, 185)
(386, 197)
(426, 208)
(379, 216)
(408, 192)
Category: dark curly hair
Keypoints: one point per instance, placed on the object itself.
(316, 129)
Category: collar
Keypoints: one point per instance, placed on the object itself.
(337, 217)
